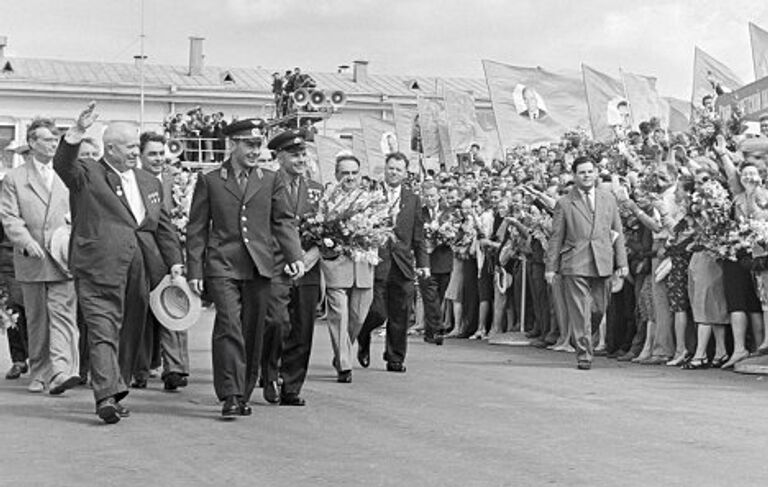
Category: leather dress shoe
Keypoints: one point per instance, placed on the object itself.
(363, 355)
(173, 381)
(292, 400)
(231, 407)
(107, 410)
(344, 377)
(122, 411)
(139, 384)
(16, 370)
(245, 409)
(271, 392)
(395, 367)
(59, 384)
(36, 386)
(627, 357)
(584, 365)
(539, 343)
(435, 339)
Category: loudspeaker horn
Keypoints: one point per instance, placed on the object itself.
(338, 99)
(316, 99)
(174, 148)
(300, 97)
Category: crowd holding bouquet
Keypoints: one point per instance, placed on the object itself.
(181, 191)
(352, 223)
(443, 231)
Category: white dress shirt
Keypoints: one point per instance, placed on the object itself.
(45, 171)
(132, 193)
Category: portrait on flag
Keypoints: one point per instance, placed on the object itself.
(529, 103)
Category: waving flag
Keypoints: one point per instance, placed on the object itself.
(608, 107)
(327, 150)
(532, 105)
(644, 101)
(404, 121)
(380, 140)
(759, 40)
(711, 77)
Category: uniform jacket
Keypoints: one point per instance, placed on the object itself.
(441, 257)
(409, 242)
(105, 234)
(31, 212)
(583, 243)
(309, 194)
(230, 234)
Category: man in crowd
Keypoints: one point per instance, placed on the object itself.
(585, 227)
(440, 263)
(291, 313)
(349, 284)
(393, 280)
(34, 203)
(120, 230)
(237, 213)
(171, 346)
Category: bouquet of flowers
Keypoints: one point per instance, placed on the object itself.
(354, 223)
(182, 190)
(716, 232)
(464, 244)
(443, 231)
(7, 316)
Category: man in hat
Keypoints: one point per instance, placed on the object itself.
(34, 203)
(293, 302)
(121, 234)
(238, 212)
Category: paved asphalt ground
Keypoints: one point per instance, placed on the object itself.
(465, 414)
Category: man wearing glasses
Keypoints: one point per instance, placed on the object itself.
(237, 212)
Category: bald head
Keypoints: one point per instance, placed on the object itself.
(121, 145)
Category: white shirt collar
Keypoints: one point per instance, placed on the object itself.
(40, 166)
(128, 175)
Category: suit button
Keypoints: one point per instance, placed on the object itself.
(245, 240)
(245, 229)
(243, 207)
(243, 218)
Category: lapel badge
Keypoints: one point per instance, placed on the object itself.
(119, 191)
(224, 173)
(259, 173)
(154, 197)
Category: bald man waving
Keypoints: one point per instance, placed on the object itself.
(121, 236)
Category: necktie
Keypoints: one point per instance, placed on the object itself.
(294, 190)
(47, 175)
(589, 201)
(242, 180)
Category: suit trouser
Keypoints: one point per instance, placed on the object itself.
(393, 303)
(620, 319)
(663, 339)
(238, 329)
(347, 308)
(173, 347)
(288, 332)
(83, 342)
(432, 291)
(539, 293)
(557, 293)
(114, 316)
(51, 309)
(17, 336)
(581, 293)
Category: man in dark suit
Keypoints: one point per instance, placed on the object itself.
(293, 303)
(586, 248)
(394, 276)
(170, 347)
(237, 213)
(122, 239)
(440, 263)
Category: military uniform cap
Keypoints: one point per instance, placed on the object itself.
(287, 141)
(245, 129)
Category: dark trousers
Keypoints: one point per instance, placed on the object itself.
(114, 316)
(83, 342)
(288, 332)
(241, 306)
(432, 292)
(393, 303)
(470, 299)
(17, 336)
(539, 293)
(620, 319)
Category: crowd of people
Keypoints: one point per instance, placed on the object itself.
(641, 249)
(199, 133)
(284, 86)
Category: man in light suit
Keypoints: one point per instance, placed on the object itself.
(237, 212)
(348, 285)
(121, 235)
(394, 275)
(586, 248)
(172, 346)
(34, 203)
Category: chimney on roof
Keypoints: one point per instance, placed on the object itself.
(196, 55)
(360, 71)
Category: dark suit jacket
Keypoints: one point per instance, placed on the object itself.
(309, 195)
(105, 234)
(441, 258)
(409, 244)
(167, 184)
(585, 243)
(229, 233)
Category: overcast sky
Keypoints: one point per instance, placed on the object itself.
(420, 37)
